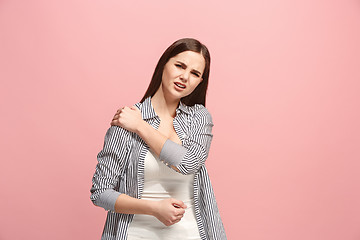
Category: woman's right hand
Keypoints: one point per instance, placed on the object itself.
(169, 211)
(129, 118)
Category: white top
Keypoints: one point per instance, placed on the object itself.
(161, 182)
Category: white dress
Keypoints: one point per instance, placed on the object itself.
(161, 182)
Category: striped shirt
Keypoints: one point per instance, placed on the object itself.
(120, 168)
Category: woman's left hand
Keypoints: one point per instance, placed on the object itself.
(128, 117)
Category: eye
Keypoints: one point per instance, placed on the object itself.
(196, 74)
(178, 65)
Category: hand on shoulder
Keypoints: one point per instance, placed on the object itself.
(129, 118)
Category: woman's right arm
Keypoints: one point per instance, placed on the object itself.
(110, 164)
(111, 161)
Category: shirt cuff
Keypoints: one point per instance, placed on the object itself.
(172, 153)
(107, 199)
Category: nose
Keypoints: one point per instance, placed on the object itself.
(185, 76)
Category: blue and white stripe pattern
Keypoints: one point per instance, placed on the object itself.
(120, 168)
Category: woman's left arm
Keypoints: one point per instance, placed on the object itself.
(186, 158)
(190, 156)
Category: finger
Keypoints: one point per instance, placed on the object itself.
(178, 203)
(115, 122)
(180, 211)
(176, 221)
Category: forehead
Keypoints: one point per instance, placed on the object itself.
(191, 59)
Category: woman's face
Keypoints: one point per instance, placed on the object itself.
(182, 74)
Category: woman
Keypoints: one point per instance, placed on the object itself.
(151, 175)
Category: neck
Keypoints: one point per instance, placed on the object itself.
(164, 106)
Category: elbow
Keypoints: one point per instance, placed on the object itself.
(183, 170)
(105, 199)
(183, 160)
(191, 165)
(94, 196)
(95, 203)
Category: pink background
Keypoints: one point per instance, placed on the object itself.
(284, 95)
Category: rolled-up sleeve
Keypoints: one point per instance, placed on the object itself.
(111, 160)
(190, 156)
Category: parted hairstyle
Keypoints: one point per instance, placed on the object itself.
(182, 45)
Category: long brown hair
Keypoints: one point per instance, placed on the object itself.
(182, 45)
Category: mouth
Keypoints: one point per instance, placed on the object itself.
(180, 85)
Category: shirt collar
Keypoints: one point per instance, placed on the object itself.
(147, 110)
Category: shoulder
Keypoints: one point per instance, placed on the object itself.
(200, 113)
(116, 132)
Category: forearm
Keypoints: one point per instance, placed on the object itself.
(129, 205)
(153, 138)
(159, 143)
(168, 211)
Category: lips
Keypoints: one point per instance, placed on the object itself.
(180, 85)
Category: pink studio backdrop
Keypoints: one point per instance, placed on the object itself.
(284, 95)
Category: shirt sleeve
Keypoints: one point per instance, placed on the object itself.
(190, 156)
(111, 161)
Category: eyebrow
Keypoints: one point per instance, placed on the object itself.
(186, 66)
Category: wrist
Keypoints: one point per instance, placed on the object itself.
(152, 207)
(140, 127)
